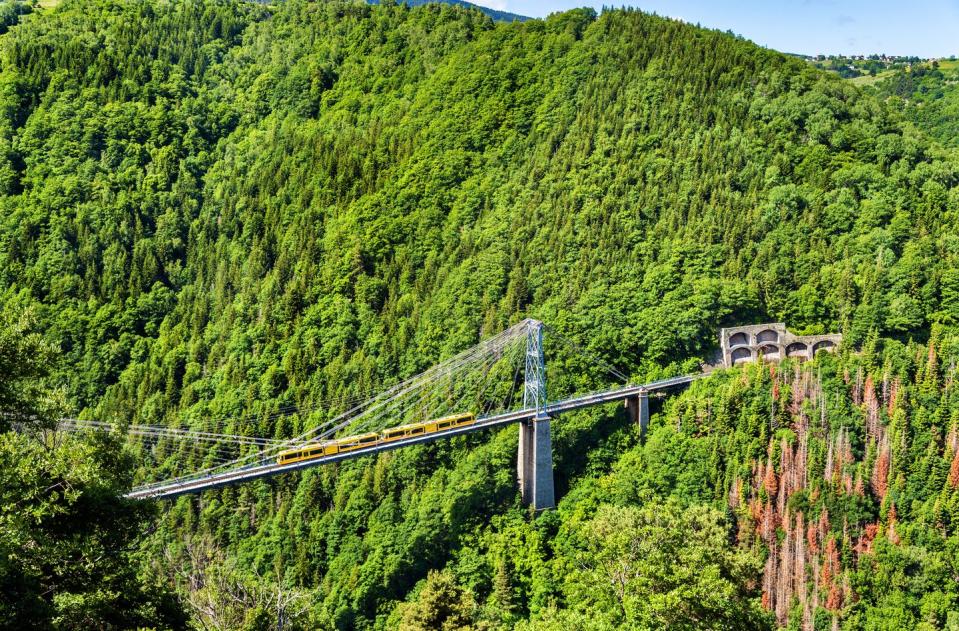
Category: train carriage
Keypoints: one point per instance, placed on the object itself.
(353, 443)
(307, 453)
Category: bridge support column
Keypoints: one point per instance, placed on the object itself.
(535, 463)
(637, 409)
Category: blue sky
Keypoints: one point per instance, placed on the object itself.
(927, 28)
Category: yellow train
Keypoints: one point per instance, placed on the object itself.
(352, 443)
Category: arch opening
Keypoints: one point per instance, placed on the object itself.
(738, 338)
(741, 355)
(824, 345)
(767, 335)
(769, 351)
(797, 349)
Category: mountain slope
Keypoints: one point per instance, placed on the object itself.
(499, 16)
(220, 210)
(927, 95)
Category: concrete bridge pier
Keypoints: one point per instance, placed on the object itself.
(535, 463)
(637, 409)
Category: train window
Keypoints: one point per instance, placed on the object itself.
(417, 430)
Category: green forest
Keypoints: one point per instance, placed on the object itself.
(217, 211)
(927, 95)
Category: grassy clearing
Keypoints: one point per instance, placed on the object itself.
(865, 79)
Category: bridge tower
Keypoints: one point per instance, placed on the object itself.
(535, 457)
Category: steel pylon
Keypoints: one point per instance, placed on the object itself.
(534, 392)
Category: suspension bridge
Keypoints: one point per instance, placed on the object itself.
(473, 391)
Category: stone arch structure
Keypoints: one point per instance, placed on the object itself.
(823, 345)
(769, 351)
(767, 335)
(772, 341)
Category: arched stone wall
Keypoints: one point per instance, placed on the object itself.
(824, 345)
(769, 351)
(767, 335)
(772, 341)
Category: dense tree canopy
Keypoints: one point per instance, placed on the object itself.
(926, 93)
(219, 210)
(66, 537)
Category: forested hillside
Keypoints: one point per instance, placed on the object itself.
(500, 16)
(926, 94)
(217, 211)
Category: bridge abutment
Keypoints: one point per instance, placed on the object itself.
(535, 463)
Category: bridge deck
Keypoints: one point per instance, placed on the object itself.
(260, 470)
